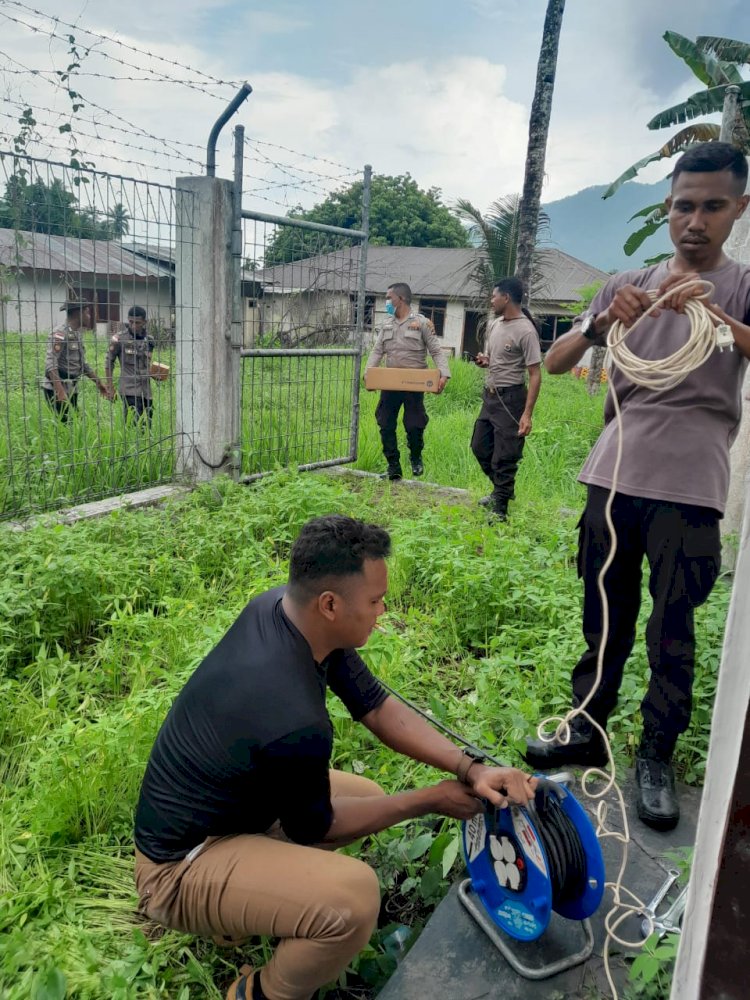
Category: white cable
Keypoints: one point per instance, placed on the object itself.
(658, 375)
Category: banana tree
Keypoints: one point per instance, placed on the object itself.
(715, 61)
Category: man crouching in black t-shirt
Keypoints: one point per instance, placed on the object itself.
(238, 803)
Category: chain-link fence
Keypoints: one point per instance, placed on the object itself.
(304, 310)
(87, 334)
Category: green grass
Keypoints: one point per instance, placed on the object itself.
(45, 463)
(101, 624)
(293, 412)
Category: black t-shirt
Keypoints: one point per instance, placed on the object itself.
(248, 739)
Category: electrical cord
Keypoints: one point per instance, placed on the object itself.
(658, 375)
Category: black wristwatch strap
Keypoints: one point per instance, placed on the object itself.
(464, 765)
(588, 327)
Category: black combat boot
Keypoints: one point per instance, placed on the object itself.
(656, 795)
(394, 471)
(585, 748)
(498, 508)
(416, 465)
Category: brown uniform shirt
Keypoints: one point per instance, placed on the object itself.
(512, 345)
(405, 343)
(134, 354)
(676, 442)
(66, 357)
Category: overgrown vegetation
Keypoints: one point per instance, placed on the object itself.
(103, 622)
(46, 463)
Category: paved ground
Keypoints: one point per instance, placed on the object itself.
(454, 960)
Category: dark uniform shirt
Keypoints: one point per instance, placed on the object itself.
(134, 354)
(66, 357)
(248, 740)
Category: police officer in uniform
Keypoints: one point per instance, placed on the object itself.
(404, 340)
(65, 361)
(504, 422)
(133, 349)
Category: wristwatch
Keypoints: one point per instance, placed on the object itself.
(464, 765)
(588, 327)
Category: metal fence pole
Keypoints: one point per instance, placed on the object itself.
(360, 316)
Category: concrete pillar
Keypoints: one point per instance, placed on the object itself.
(208, 367)
(738, 247)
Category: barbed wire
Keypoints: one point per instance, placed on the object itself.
(297, 152)
(103, 76)
(161, 78)
(306, 170)
(266, 184)
(114, 41)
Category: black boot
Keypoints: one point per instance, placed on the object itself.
(394, 471)
(498, 509)
(585, 748)
(416, 465)
(656, 795)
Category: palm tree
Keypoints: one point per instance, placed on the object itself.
(495, 235)
(715, 61)
(541, 109)
(118, 220)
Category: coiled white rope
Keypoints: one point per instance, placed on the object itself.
(658, 375)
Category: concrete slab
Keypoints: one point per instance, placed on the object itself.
(454, 959)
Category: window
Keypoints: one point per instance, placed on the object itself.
(369, 315)
(435, 309)
(105, 303)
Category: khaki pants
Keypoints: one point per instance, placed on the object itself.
(323, 905)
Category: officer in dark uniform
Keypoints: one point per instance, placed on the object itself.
(133, 348)
(65, 361)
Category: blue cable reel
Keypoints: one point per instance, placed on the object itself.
(525, 862)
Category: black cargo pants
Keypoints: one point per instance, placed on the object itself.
(682, 545)
(496, 443)
(415, 421)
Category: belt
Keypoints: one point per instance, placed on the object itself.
(503, 389)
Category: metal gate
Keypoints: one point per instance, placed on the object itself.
(302, 311)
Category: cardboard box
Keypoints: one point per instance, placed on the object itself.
(160, 372)
(403, 379)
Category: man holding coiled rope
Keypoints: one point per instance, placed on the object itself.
(663, 459)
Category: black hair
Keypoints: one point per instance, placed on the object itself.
(332, 547)
(513, 288)
(709, 158)
(136, 312)
(402, 290)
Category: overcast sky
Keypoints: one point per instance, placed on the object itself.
(438, 88)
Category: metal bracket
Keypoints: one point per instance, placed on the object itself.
(503, 943)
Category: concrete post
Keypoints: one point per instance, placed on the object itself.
(738, 247)
(208, 365)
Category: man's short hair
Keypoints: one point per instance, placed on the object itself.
(710, 157)
(328, 548)
(401, 289)
(136, 312)
(512, 287)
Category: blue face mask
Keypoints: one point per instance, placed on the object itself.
(390, 308)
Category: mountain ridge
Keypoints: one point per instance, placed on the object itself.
(594, 230)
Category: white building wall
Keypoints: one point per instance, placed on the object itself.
(33, 306)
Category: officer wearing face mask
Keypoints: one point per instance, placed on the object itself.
(404, 340)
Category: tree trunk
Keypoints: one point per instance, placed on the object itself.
(541, 109)
(596, 367)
